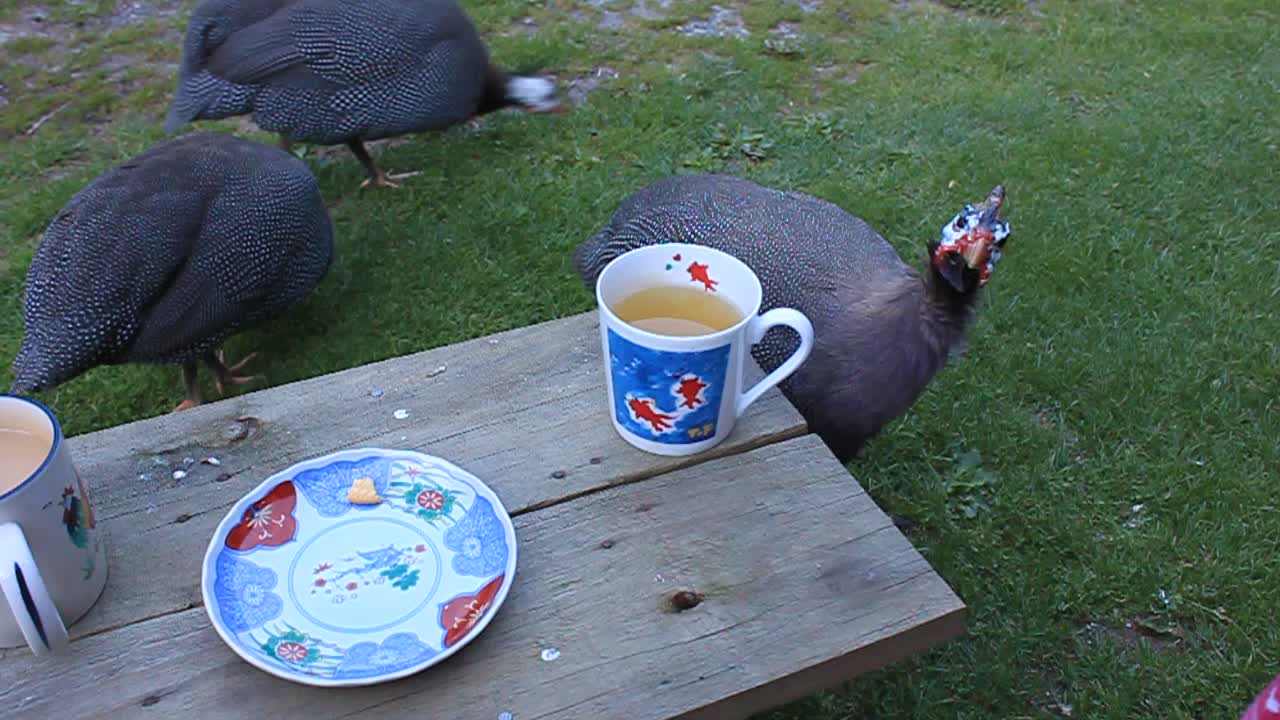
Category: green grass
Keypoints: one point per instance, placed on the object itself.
(1126, 353)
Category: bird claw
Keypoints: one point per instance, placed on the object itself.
(186, 405)
(385, 180)
(229, 374)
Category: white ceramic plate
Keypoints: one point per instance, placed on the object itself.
(308, 586)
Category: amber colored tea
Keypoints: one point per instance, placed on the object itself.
(677, 311)
(21, 454)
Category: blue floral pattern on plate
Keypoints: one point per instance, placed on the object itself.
(457, 529)
(369, 659)
(326, 488)
(244, 593)
(479, 541)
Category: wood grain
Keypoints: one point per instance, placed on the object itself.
(805, 584)
(525, 411)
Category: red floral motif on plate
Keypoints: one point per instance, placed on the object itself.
(268, 521)
(461, 614)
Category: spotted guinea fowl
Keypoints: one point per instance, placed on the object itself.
(881, 330)
(345, 71)
(161, 259)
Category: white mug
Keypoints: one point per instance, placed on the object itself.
(681, 395)
(53, 563)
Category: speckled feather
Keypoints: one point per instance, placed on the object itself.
(881, 331)
(165, 256)
(328, 71)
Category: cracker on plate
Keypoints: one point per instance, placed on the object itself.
(363, 492)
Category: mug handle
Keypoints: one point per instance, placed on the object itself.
(760, 325)
(22, 586)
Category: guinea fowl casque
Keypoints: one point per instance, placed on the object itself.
(882, 332)
(345, 71)
(161, 259)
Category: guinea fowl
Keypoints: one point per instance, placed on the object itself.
(161, 259)
(881, 330)
(345, 71)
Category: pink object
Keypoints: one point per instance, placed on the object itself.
(1267, 705)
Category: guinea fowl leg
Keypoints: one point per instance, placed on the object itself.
(223, 374)
(376, 176)
(192, 385)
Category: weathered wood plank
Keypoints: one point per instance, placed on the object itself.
(524, 410)
(806, 584)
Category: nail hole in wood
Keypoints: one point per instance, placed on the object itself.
(181, 518)
(150, 700)
(559, 474)
(686, 600)
(240, 428)
(606, 544)
(222, 477)
(596, 460)
(645, 507)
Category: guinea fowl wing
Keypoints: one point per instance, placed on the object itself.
(358, 51)
(262, 247)
(101, 261)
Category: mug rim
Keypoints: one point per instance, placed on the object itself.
(747, 315)
(53, 449)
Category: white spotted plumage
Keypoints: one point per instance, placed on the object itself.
(162, 258)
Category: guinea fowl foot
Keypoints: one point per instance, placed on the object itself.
(193, 388)
(377, 177)
(228, 375)
(384, 180)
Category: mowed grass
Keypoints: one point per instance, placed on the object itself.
(1096, 478)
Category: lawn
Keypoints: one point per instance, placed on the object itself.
(1096, 477)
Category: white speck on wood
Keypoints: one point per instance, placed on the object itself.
(437, 371)
(401, 414)
(550, 654)
(179, 474)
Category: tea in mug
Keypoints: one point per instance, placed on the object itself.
(677, 311)
(23, 452)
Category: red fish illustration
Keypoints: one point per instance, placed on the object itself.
(644, 409)
(690, 388)
(698, 272)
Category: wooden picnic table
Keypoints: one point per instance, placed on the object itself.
(805, 582)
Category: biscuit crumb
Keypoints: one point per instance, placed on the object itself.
(363, 492)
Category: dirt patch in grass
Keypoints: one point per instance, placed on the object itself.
(1135, 633)
(608, 16)
(722, 22)
(583, 85)
(83, 61)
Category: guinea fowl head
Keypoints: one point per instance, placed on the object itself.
(971, 244)
(534, 93)
(529, 91)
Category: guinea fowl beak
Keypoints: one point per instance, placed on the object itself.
(991, 206)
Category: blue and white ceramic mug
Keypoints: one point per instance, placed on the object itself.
(681, 395)
(53, 563)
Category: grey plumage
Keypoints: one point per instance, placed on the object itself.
(882, 331)
(162, 258)
(343, 71)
